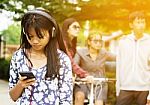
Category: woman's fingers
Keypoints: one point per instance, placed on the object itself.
(22, 78)
(25, 83)
(29, 82)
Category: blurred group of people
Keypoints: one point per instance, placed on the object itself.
(51, 54)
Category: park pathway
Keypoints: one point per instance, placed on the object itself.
(4, 97)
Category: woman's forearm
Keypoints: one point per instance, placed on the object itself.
(16, 91)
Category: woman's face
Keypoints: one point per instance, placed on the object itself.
(38, 44)
(95, 42)
(74, 29)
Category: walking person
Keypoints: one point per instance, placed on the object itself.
(133, 64)
(39, 54)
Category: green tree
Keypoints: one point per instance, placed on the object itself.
(12, 34)
(106, 15)
(112, 14)
(59, 8)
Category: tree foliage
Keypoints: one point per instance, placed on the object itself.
(59, 8)
(105, 15)
(112, 14)
(12, 34)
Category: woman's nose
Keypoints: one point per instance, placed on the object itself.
(35, 40)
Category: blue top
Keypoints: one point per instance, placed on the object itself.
(44, 91)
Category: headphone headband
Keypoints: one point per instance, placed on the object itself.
(39, 12)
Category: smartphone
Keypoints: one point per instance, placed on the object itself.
(28, 74)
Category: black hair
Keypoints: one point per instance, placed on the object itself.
(42, 19)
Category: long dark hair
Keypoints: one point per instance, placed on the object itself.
(71, 44)
(41, 19)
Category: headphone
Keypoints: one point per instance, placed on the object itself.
(46, 15)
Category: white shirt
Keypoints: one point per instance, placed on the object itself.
(133, 64)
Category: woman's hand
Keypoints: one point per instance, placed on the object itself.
(90, 79)
(23, 82)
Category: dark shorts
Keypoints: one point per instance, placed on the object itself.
(100, 90)
(127, 97)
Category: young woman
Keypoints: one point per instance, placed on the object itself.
(38, 53)
(92, 59)
(70, 30)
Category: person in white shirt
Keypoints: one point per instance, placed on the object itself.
(133, 64)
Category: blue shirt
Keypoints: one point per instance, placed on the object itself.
(44, 91)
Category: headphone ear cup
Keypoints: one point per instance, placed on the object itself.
(53, 32)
